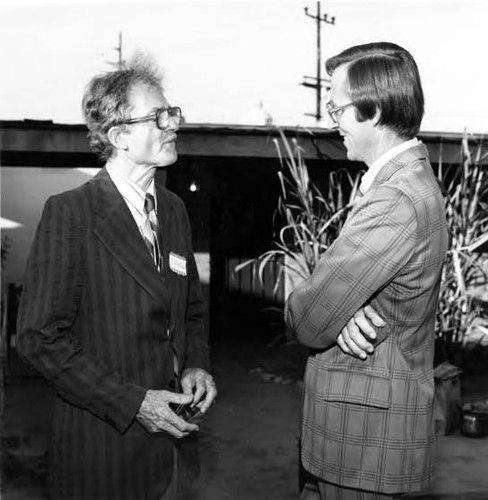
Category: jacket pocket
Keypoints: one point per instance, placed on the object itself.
(357, 388)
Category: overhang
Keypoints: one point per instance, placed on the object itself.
(37, 143)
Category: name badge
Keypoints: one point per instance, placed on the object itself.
(177, 264)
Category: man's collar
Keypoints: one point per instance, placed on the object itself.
(130, 191)
(380, 162)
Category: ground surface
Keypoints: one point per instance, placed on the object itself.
(249, 440)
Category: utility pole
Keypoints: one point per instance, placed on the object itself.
(120, 60)
(316, 82)
(119, 50)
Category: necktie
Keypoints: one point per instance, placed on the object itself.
(150, 230)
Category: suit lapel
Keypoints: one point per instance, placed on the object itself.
(166, 220)
(117, 230)
(165, 225)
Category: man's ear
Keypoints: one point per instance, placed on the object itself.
(377, 116)
(118, 137)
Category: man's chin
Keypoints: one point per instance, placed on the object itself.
(351, 156)
(168, 159)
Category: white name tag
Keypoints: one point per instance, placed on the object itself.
(177, 264)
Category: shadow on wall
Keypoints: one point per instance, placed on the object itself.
(24, 193)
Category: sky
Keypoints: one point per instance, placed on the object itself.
(222, 58)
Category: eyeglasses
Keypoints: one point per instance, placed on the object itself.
(161, 116)
(336, 111)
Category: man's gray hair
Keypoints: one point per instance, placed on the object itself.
(106, 100)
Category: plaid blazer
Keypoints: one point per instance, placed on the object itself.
(94, 319)
(369, 424)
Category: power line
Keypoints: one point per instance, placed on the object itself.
(317, 82)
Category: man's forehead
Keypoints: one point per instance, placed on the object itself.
(141, 88)
(142, 95)
(339, 83)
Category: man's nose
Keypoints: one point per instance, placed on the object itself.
(173, 124)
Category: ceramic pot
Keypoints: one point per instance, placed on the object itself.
(474, 419)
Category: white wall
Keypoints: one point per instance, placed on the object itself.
(24, 192)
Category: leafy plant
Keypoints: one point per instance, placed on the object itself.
(309, 219)
(466, 187)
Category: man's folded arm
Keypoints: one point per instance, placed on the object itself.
(372, 247)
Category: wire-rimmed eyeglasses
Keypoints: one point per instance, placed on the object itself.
(336, 111)
(161, 116)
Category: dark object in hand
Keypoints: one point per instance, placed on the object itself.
(190, 414)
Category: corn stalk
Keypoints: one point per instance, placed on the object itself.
(310, 219)
(467, 217)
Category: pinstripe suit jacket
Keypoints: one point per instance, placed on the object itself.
(94, 320)
(369, 424)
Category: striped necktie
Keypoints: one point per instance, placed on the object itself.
(150, 230)
(151, 238)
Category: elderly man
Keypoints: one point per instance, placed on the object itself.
(367, 428)
(111, 312)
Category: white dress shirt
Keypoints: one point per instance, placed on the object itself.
(133, 196)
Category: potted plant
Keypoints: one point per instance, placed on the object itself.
(308, 219)
(460, 311)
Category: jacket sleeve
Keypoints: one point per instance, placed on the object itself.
(197, 355)
(374, 245)
(49, 305)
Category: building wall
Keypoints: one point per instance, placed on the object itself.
(24, 192)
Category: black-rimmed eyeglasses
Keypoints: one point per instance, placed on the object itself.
(161, 116)
(336, 111)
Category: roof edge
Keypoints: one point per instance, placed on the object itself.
(233, 129)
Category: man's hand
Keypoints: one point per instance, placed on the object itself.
(200, 384)
(352, 339)
(155, 415)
